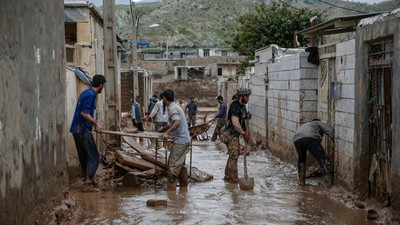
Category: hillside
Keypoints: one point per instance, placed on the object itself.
(210, 22)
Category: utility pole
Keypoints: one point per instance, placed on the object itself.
(134, 54)
(113, 105)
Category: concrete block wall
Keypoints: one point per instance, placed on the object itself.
(33, 167)
(292, 100)
(257, 106)
(344, 113)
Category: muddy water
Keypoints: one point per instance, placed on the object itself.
(276, 199)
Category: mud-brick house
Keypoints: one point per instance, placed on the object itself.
(84, 47)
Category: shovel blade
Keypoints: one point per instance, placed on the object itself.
(246, 184)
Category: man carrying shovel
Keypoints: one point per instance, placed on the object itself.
(178, 128)
(235, 117)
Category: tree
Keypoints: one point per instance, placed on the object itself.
(271, 24)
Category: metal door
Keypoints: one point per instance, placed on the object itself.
(380, 104)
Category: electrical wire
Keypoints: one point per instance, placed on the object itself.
(341, 7)
(288, 4)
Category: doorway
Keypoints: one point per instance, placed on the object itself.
(380, 118)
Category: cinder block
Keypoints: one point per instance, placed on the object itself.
(344, 133)
(294, 95)
(348, 91)
(346, 48)
(346, 76)
(345, 105)
(294, 85)
(308, 95)
(344, 119)
(306, 84)
(309, 106)
(345, 62)
(309, 73)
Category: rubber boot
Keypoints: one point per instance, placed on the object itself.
(171, 183)
(302, 174)
(183, 177)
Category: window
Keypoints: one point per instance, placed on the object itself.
(206, 52)
(219, 71)
(224, 53)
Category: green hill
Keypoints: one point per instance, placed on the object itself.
(209, 22)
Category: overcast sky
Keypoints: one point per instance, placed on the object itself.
(126, 2)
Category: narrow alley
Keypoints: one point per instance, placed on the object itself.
(277, 198)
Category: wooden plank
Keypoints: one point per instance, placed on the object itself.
(146, 154)
(153, 135)
(133, 162)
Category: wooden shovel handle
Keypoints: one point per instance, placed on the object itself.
(245, 151)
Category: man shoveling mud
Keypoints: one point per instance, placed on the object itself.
(309, 136)
(221, 117)
(179, 130)
(81, 129)
(235, 117)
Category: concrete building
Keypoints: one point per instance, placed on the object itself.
(190, 73)
(207, 52)
(377, 111)
(33, 164)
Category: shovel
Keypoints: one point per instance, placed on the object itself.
(246, 183)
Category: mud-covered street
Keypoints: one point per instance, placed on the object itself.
(276, 199)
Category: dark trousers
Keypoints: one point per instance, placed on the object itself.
(316, 150)
(139, 126)
(87, 152)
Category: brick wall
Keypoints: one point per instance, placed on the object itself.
(126, 91)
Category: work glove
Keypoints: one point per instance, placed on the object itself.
(147, 118)
(249, 115)
(246, 137)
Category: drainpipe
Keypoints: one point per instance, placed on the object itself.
(95, 56)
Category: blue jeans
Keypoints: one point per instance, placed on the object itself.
(316, 150)
(87, 152)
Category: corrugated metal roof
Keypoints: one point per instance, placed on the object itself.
(336, 25)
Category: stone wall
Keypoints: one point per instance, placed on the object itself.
(33, 166)
(344, 113)
(292, 101)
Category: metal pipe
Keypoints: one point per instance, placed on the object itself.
(95, 55)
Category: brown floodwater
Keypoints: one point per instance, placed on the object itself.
(276, 199)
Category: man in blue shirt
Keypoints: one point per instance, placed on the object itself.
(178, 128)
(221, 117)
(137, 114)
(192, 109)
(81, 129)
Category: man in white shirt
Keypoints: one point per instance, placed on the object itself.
(162, 114)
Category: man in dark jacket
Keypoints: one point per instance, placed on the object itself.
(221, 117)
(137, 114)
(235, 117)
(309, 136)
